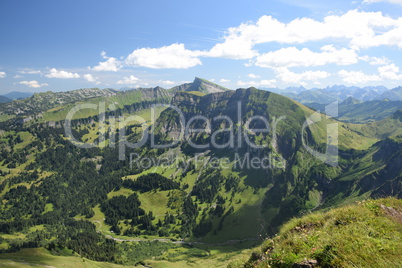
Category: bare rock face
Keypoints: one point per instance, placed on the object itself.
(305, 264)
(393, 213)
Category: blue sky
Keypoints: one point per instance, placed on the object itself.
(65, 45)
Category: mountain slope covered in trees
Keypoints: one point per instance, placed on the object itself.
(237, 187)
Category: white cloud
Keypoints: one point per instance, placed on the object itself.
(390, 72)
(387, 72)
(130, 80)
(360, 29)
(175, 56)
(168, 82)
(397, 2)
(290, 77)
(33, 83)
(355, 29)
(29, 71)
(54, 73)
(17, 76)
(265, 83)
(111, 64)
(375, 60)
(268, 83)
(390, 36)
(3, 74)
(223, 80)
(103, 54)
(253, 76)
(291, 57)
(234, 47)
(357, 77)
(246, 84)
(91, 78)
(379, 61)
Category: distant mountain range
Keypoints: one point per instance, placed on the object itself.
(356, 104)
(4, 99)
(355, 111)
(300, 94)
(339, 93)
(41, 102)
(16, 95)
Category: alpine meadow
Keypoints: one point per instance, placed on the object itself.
(286, 153)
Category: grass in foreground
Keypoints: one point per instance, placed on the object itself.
(365, 234)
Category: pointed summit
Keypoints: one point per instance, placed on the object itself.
(205, 86)
(200, 85)
(350, 101)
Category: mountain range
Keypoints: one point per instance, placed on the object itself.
(4, 99)
(175, 176)
(340, 93)
(300, 94)
(355, 111)
(14, 95)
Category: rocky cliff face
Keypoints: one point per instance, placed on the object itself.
(149, 94)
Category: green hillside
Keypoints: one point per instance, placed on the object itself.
(40, 257)
(365, 234)
(176, 204)
(388, 127)
(127, 101)
(369, 111)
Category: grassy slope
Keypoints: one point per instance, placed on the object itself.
(59, 113)
(197, 93)
(368, 111)
(40, 257)
(381, 129)
(364, 234)
(350, 135)
(248, 209)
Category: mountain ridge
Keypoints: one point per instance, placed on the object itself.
(50, 186)
(14, 95)
(4, 99)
